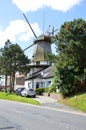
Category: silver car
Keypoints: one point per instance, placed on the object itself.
(28, 93)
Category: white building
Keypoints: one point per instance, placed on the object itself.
(41, 79)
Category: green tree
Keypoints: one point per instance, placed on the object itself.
(71, 58)
(12, 59)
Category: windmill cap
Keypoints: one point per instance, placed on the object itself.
(46, 38)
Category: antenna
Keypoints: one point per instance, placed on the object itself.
(43, 19)
(29, 25)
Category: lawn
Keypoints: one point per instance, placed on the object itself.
(13, 97)
(78, 101)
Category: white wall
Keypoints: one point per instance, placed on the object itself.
(28, 84)
(32, 83)
(47, 82)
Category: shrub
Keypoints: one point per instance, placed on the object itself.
(40, 91)
(66, 81)
(52, 88)
(47, 89)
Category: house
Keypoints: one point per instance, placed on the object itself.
(19, 81)
(42, 79)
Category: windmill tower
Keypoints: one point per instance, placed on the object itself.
(42, 46)
(41, 49)
(39, 61)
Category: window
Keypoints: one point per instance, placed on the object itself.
(29, 85)
(38, 63)
(42, 84)
(48, 83)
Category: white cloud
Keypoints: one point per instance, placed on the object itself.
(18, 30)
(61, 5)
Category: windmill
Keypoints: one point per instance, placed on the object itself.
(42, 45)
(39, 62)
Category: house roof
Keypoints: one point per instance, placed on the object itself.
(48, 73)
(19, 75)
(45, 73)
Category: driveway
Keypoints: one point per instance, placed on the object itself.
(54, 104)
(44, 99)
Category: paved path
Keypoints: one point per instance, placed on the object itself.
(44, 99)
(52, 103)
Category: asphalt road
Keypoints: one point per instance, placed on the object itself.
(21, 116)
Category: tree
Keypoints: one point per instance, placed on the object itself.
(72, 41)
(12, 59)
(71, 58)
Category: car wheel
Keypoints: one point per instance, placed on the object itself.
(34, 96)
(25, 95)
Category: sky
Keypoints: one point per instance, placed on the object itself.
(42, 15)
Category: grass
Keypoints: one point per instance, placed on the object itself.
(78, 101)
(13, 97)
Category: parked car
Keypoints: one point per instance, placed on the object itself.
(19, 90)
(28, 93)
(2, 88)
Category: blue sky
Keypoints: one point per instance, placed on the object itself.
(40, 13)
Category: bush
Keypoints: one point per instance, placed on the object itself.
(47, 89)
(52, 88)
(40, 91)
(66, 81)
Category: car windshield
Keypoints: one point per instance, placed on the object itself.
(31, 89)
(19, 89)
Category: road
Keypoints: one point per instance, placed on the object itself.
(22, 116)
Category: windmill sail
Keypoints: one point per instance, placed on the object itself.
(29, 25)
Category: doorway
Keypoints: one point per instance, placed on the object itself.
(37, 85)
